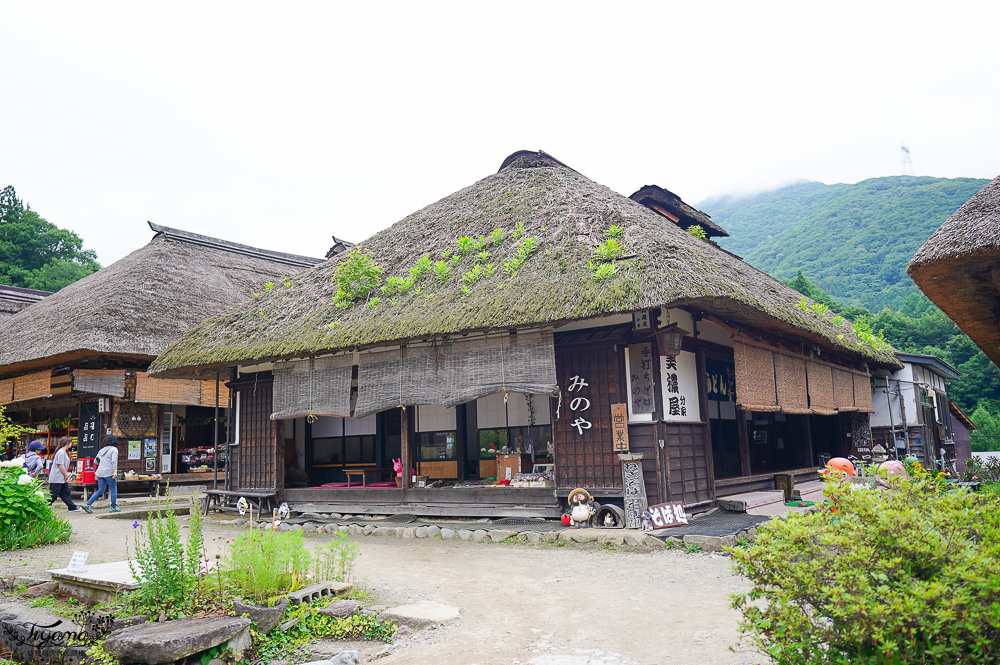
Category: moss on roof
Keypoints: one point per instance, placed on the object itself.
(569, 215)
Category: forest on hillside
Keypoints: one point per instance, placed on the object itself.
(853, 241)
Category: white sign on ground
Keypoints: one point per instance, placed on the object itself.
(77, 561)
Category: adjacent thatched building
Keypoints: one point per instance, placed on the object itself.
(959, 269)
(95, 338)
(533, 321)
(15, 298)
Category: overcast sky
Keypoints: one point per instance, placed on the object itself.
(281, 124)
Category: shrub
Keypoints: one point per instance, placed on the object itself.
(335, 560)
(169, 573)
(264, 564)
(905, 575)
(978, 469)
(26, 519)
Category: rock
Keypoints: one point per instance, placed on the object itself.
(278, 662)
(614, 537)
(238, 522)
(500, 535)
(634, 538)
(355, 530)
(422, 615)
(479, 535)
(329, 528)
(401, 529)
(373, 611)
(285, 527)
(464, 534)
(433, 530)
(169, 641)
(533, 537)
(369, 529)
(42, 589)
(410, 532)
(28, 581)
(265, 618)
(344, 528)
(583, 536)
(401, 634)
(341, 608)
(346, 657)
(296, 527)
(448, 534)
(707, 543)
(420, 532)
(565, 536)
(240, 642)
(308, 527)
(550, 536)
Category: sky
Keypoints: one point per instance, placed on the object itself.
(279, 125)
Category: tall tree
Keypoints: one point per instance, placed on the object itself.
(36, 254)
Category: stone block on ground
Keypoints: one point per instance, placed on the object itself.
(341, 608)
(549, 536)
(422, 615)
(166, 642)
(401, 634)
(500, 535)
(42, 589)
(266, 618)
(533, 536)
(464, 534)
(635, 538)
(346, 657)
(583, 536)
(706, 543)
(479, 535)
(410, 532)
(420, 532)
(565, 536)
(317, 591)
(612, 537)
(448, 534)
(433, 530)
(29, 581)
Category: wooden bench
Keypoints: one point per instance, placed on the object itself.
(261, 500)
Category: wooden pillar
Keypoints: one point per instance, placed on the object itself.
(707, 427)
(405, 443)
(279, 456)
(807, 440)
(741, 430)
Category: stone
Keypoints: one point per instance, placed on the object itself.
(329, 528)
(565, 536)
(238, 522)
(373, 611)
(42, 589)
(278, 662)
(422, 615)
(583, 536)
(420, 532)
(549, 536)
(296, 527)
(319, 591)
(346, 657)
(240, 642)
(28, 581)
(369, 529)
(401, 634)
(410, 533)
(308, 528)
(464, 534)
(400, 529)
(614, 537)
(448, 534)
(706, 543)
(284, 527)
(169, 641)
(634, 538)
(479, 535)
(265, 618)
(433, 530)
(343, 528)
(341, 608)
(500, 535)
(533, 537)
(355, 530)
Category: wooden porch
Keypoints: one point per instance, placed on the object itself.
(427, 501)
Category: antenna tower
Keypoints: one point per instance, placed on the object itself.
(908, 174)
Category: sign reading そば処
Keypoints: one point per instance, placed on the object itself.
(664, 515)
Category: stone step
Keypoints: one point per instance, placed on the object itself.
(742, 502)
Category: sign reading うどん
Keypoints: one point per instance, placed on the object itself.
(679, 380)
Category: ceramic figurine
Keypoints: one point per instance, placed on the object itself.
(581, 508)
(647, 520)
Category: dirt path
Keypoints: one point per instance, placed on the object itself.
(539, 605)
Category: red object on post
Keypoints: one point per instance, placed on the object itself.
(86, 469)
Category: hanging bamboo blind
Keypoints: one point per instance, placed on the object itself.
(314, 387)
(820, 378)
(790, 384)
(6, 391)
(32, 386)
(208, 394)
(755, 389)
(100, 381)
(863, 393)
(843, 390)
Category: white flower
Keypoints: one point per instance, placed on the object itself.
(40, 494)
(18, 462)
(24, 479)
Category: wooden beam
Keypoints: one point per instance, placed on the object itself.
(741, 430)
(405, 443)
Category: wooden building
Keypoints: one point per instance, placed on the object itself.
(911, 409)
(74, 362)
(540, 328)
(959, 269)
(962, 427)
(14, 298)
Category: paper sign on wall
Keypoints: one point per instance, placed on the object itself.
(679, 380)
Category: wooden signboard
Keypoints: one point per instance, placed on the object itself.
(87, 439)
(619, 427)
(665, 515)
(640, 357)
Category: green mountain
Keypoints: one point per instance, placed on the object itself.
(852, 241)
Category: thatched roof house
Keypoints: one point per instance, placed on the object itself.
(136, 307)
(673, 208)
(15, 298)
(472, 280)
(959, 269)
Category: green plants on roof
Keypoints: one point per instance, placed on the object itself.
(602, 271)
(697, 231)
(443, 270)
(465, 245)
(609, 250)
(614, 231)
(525, 249)
(355, 278)
(497, 236)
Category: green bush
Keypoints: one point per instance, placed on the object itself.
(904, 575)
(264, 564)
(26, 519)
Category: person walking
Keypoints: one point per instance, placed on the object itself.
(33, 464)
(107, 474)
(59, 475)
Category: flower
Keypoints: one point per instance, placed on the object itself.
(18, 462)
(40, 494)
(135, 524)
(24, 479)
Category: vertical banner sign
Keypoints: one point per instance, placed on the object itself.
(619, 427)
(720, 380)
(87, 440)
(167, 442)
(679, 379)
(640, 365)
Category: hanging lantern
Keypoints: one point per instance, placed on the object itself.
(669, 340)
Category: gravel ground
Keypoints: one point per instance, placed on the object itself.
(520, 604)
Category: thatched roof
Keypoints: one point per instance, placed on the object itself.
(14, 298)
(959, 269)
(670, 205)
(138, 306)
(569, 215)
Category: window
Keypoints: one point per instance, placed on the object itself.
(521, 425)
(436, 434)
(344, 440)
